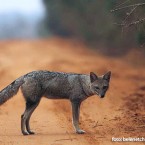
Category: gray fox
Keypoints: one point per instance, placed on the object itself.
(55, 85)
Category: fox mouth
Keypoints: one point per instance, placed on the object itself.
(101, 96)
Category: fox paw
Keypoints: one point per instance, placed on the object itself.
(80, 131)
(25, 133)
(31, 132)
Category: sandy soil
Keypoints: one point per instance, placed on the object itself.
(119, 114)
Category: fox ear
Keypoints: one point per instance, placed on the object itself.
(93, 77)
(107, 76)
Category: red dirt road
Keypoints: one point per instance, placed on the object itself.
(120, 114)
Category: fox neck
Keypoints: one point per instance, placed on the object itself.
(86, 85)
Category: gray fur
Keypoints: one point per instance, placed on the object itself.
(10, 90)
(55, 85)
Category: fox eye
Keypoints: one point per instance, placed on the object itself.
(105, 87)
(97, 88)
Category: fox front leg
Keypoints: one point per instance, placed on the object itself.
(75, 113)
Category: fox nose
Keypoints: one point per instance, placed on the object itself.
(102, 95)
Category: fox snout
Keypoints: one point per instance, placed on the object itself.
(102, 95)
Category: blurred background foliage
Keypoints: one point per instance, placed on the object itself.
(92, 22)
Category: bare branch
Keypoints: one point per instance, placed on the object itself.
(128, 14)
(134, 5)
(119, 24)
(136, 22)
(130, 24)
(122, 3)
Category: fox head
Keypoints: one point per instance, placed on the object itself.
(100, 84)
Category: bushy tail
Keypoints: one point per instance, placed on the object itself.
(10, 90)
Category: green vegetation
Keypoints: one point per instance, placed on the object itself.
(92, 21)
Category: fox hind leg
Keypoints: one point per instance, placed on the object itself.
(30, 107)
(23, 125)
(28, 118)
